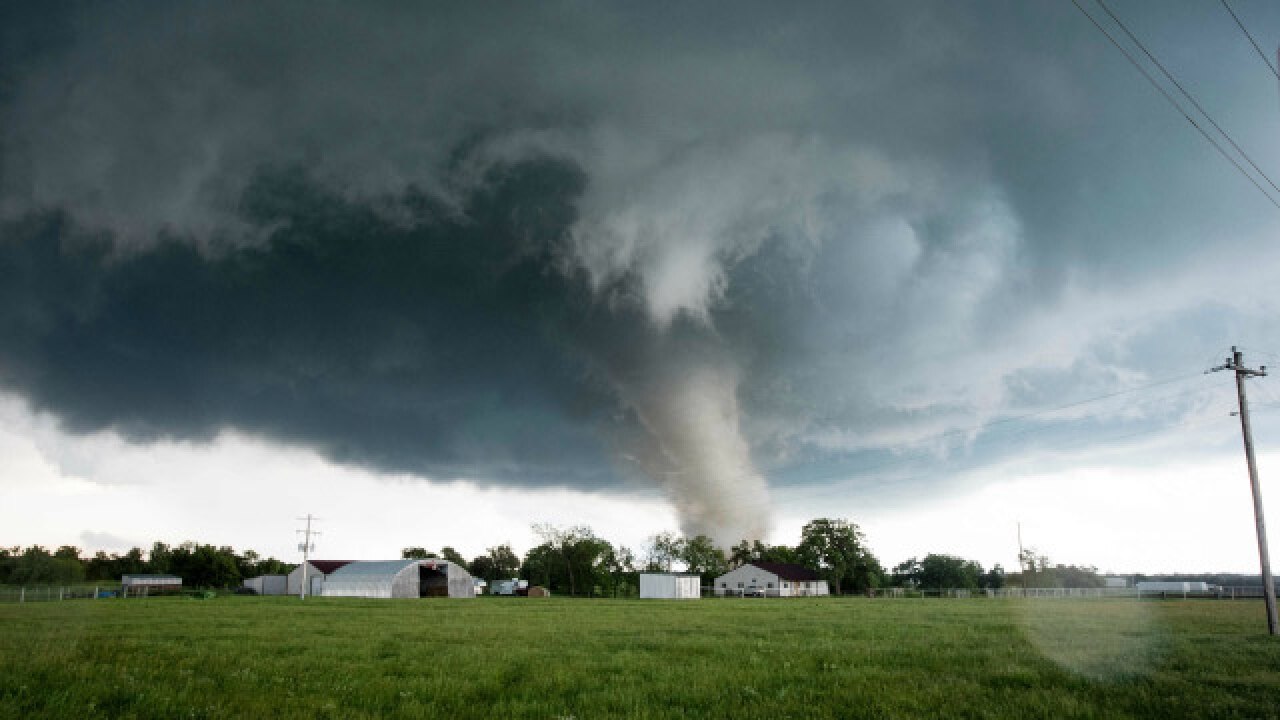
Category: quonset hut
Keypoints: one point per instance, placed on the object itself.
(317, 571)
(399, 579)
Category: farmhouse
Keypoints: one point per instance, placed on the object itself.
(317, 571)
(671, 586)
(768, 579)
(411, 578)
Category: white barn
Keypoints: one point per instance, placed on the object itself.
(317, 571)
(768, 579)
(411, 578)
(670, 586)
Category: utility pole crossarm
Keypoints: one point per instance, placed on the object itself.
(1236, 364)
(306, 546)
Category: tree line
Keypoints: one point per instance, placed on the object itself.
(201, 566)
(575, 561)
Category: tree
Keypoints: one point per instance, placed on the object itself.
(757, 551)
(993, 578)
(948, 571)
(417, 553)
(579, 551)
(453, 556)
(622, 566)
(481, 566)
(837, 549)
(505, 561)
(700, 555)
(664, 550)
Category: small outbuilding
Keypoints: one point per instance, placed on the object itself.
(149, 584)
(670, 586)
(268, 584)
(767, 579)
(408, 578)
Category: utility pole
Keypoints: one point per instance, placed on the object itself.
(1236, 363)
(306, 546)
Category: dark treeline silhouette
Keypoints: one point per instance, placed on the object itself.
(199, 566)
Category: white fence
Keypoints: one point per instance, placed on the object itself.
(45, 593)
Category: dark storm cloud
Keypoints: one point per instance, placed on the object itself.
(540, 244)
(428, 346)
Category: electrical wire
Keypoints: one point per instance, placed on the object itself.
(1138, 66)
(1186, 94)
(1266, 60)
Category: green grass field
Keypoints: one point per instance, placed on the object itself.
(560, 658)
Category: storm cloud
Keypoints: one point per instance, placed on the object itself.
(567, 244)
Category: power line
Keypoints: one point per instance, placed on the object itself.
(1159, 88)
(1266, 60)
(1186, 94)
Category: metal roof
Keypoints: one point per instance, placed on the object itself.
(328, 566)
(367, 568)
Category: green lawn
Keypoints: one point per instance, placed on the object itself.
(560, 658)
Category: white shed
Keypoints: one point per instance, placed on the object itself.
(268, 584)
(411, 578)
(670, 586)
(767, 579)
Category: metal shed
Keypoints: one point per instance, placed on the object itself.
(268, 584)
(399, 579)
(149, 584)
(671, 586)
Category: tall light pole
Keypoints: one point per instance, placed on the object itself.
(1236, 364)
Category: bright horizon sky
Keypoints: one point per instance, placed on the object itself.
(435, 274)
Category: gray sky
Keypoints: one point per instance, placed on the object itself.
(716, 268)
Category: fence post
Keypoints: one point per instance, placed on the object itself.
(95, 592)
(60, 592)
(22, 597)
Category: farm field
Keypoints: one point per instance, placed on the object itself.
(563, 658)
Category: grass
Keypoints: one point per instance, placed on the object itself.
(560, 658)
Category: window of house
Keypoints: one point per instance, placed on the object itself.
(722, 584)
(739, 583)
(770, 584)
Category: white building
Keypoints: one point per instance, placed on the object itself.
(139, 584)
(411, 578)
(765, 579)
(670, 586)
(317, 571)
(268, 584)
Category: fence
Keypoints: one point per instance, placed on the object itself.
(46, 593)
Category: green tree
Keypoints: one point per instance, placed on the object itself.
(948, 571)
(453, 556)
(481, 566)
(417, 553)
(700, 555)
(664, 550)
(505, 561)
(836, 548)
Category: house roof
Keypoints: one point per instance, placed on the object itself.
(328, 566)
(788, 571)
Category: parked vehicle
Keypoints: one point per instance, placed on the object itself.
(514, 586)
